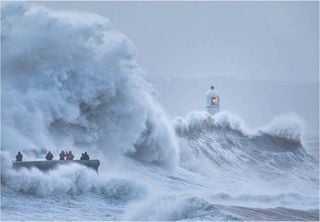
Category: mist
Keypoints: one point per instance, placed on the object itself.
(262, 57)
(256, 101)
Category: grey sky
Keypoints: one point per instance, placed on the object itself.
(277, 40)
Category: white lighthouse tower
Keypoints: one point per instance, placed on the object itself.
(213, 101)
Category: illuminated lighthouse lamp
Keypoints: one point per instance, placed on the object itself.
(213, 101)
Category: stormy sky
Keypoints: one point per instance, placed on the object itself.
(260, 40)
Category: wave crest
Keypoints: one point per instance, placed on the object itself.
(223, 144)
(75, 83)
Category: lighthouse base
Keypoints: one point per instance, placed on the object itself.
(213, 110)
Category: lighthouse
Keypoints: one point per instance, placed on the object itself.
(213, 101)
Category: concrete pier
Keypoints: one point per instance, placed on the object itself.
(51, 164)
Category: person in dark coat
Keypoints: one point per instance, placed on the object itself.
(19, 156)
(62, 155)
(49, 156)
(70, 156)
(86, 156)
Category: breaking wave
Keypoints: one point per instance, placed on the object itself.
(195, 208)
(70, 180)
(172, 208)
(72, 81)
(273, 154)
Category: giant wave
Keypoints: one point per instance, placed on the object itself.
(69, 81)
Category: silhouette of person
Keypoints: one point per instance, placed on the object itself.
(49, 156)
(62, 155)
(19, 156)
(86, 156)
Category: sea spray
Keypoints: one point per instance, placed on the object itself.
(72, 81)
(249, 158)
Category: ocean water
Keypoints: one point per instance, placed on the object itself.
(71, 81)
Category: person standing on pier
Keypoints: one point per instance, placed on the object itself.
(19, 156)
(62, 155)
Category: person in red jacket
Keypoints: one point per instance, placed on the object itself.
(70, 156)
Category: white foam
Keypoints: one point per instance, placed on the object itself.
(72, 81)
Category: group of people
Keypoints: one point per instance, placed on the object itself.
(84, 156)
(63, 156)
(66, 155)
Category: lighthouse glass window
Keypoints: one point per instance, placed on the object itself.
(214, 100)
